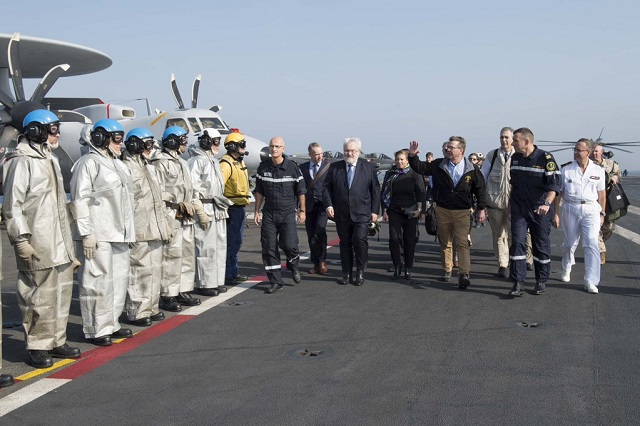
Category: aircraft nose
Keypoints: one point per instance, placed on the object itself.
(264, 153)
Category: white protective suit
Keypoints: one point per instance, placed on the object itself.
(178, 261)
(151, 225)
(211, 244)
(35, 208)
(102, 205)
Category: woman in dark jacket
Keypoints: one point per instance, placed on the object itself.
(402, 197)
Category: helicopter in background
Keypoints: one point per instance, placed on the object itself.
(619, 146)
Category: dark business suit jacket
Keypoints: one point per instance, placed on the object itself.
(317, 191)
(358, 202)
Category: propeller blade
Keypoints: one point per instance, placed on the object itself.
(176, 92)
(6, 99)
(620, 149)
(556, 142)
(14, 66)
(559, 149)
(8, 135)
(620, 143)
(5, 117)
(47, 81)
(600, 135)
(194, 91)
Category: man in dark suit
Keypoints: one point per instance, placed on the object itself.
(314, 173)
(352, 200)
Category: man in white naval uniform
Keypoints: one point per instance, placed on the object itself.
(35, 208)
(152, 228)
(211, 242)
(583, 193)
(181, 205)
(102, 204)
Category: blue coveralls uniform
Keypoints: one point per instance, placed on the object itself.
(532, 178)
(281, 185)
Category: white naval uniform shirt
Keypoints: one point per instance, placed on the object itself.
(579, 188)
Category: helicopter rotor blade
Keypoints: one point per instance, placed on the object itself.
(176, 92)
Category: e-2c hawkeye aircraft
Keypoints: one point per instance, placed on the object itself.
(32, 57)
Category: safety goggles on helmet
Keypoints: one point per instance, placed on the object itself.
(148, 143)
(117, 137)
(53, 128)
(242, 144)
(183, 139)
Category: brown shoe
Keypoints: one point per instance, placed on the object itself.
(323, 268)
(603, 257)
(313, 270)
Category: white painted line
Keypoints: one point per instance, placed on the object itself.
(29, 393)
(633, 209)
(629, 235)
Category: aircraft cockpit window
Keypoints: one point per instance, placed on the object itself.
(178, 122)
(194, 124)
(212, 123)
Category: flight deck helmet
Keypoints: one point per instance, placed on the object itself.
(234, 142)
(106, 130)
(138, 139)
(173, 137)
(209, 137)
(39, 124)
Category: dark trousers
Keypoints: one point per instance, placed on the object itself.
(316, 225)
(353, 241)
(235, 232)
(402, 238)
(278, 230)
(540, 228)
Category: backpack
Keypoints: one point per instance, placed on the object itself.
(430, 223)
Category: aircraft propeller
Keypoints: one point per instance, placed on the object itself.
(15, 110)
(194, 92)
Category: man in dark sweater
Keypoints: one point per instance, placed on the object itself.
(456, 182)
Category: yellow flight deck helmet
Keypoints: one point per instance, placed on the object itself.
(234, 141)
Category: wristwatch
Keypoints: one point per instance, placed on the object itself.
(547, 203)
(602, 214)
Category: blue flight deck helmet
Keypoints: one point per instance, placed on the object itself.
(173, 137)
(38, 124)
(138, 139)
(105, 130)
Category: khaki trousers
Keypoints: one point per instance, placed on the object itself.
(501, 231)
(605, 233)
(454, 224)
(44, 298)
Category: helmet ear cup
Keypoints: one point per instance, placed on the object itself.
(36, 133)
(99, 138)
(134, 145)
(172, 142)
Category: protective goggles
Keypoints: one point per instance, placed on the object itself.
(183, 139)
(117, 137)
(53, 128)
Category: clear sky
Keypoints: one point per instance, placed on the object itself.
(385, 71)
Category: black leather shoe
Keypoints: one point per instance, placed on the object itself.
(170, 304)
(359, 278)
(40, 359)
(123, 333)
(273, 288)
(446, 276)
(186, 299)
(539, 289)
(222, 289)
(407, 274)
(6, 380)
(463, 281)
(396, 272)
(211, 292)
(240, 278)
(142, 322)
(157, 317)
(517, 290)
(65, 351)
(101, 341)
(346, 279)
(295, 274)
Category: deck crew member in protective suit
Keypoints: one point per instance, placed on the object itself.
(280, 184)
(211, 239)
(152, 228)
(102, 205)
(35, 208)
(236, 188)
(181, 206)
